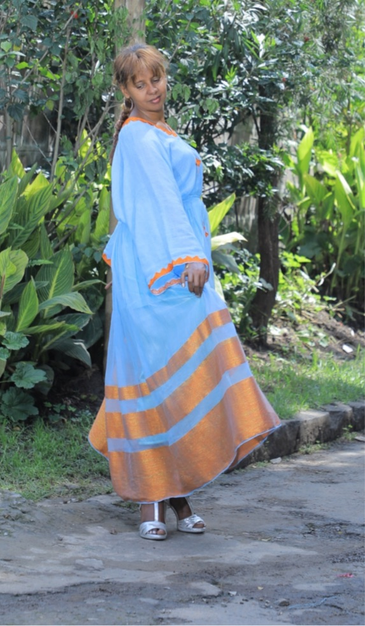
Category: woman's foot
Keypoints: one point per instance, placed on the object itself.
(187, 521)
(153, 521)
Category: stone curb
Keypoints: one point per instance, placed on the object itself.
(309, 427)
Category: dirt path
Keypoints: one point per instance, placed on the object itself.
(285, 546)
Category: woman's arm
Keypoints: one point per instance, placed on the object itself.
(147, 198)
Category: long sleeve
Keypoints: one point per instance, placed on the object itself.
(147, 198)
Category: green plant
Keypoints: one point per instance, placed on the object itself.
(311, 448)
(328, 222)
(246, 73)
(298, 292)
(348, 433)
(32, 459)
(45, 320)
(67, 80)
(294, 383)
(239, 281)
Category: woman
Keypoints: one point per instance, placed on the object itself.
(181, 405)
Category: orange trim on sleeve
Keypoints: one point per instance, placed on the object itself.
(198, 162)
(170, 266)
(107, 261)
(173, 281)
(168, 131)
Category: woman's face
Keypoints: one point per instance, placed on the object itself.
(148, 93)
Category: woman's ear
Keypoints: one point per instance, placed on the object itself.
(125, 92)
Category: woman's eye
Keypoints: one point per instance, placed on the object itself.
(156, 79)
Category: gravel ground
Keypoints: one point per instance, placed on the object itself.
(284, 545)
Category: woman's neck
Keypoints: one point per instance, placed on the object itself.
(154, 118)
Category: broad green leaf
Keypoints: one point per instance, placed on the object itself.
(8, 194)
(75, 319)
(73, 300)
(12, 266)
(92, 332)
(74, 348)
(15, 341)
(53, 327)
(304, 152)
(33, 210)
(220, 241)
(20, 260)
(226, 260)
(28, 306)
(86, 284)
(102, 221)
(26, 375)
(2, 366)
(31, 246)
(343, 195)
(357, 142)
(45, 244)
(40, 182)
(59, 276)
(45, 385)
(4, 353)
(76, 322)
(6, 266)
(16, 166)
(51, 340)
(29, 21)
(60, 198)
(327, 206)
(304, 204)
(360, 183)
(218, 287)
(17, 405)
(329, 164)
(25, 180)
(314, 188)
(38, 262)
(6, 45)
(82, 233)
(217, 213)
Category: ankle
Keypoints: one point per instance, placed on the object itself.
(150, 513)
(181, 506)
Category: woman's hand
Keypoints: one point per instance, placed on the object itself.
(196, 275)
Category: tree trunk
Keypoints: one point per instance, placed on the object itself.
(135, 10)
(268, 239)
(268, 246)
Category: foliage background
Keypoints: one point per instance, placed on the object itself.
(272, 94)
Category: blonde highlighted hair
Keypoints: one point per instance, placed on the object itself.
(126, 67)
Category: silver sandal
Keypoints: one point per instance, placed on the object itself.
(187, 524)
(146, 527)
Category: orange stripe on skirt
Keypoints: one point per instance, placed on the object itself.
(227, 433)
(205, 378)
(131, 392)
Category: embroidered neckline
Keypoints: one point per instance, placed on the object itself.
(168, 131)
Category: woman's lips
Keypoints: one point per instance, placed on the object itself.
(156, 100)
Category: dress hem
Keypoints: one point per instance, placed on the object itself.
(266, 433)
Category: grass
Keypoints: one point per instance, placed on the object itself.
(292, 384)
(43, 460)
(46, 460)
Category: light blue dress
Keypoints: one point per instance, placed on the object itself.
(181, 404)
